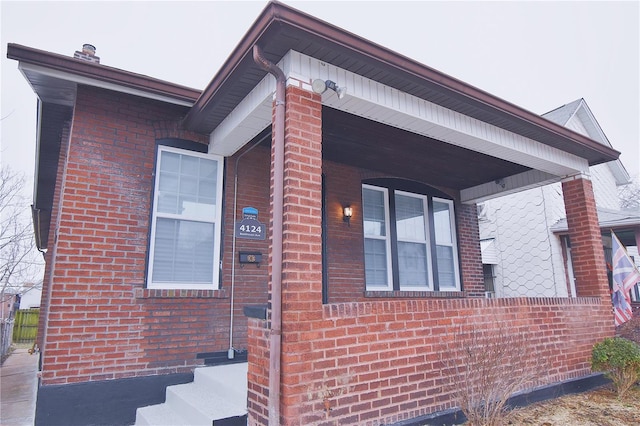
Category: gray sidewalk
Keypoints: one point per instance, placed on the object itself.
(18, 387)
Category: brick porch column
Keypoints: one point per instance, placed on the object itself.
(302, 247)
(587, 254)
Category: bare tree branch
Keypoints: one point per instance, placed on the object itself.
(20, 262)
(630, 195)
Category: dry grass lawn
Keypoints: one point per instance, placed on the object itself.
(599, 407)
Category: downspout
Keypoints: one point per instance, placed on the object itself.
(276, 262)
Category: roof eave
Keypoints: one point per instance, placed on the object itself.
(101, 75)
(277, 14)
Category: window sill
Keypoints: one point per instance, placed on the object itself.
(160, 293)
(415, 294)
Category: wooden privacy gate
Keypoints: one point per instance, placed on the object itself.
(25, 327)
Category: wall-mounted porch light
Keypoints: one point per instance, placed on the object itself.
(320, 86)
(347, 212)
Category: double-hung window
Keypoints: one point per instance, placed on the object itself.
(409, 240)
(185, 225)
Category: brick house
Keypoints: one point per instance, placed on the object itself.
(153, 200)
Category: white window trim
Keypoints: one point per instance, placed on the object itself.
(428, 218)
(386, 238)
(217, 221)
(454, 243)
(426, 242)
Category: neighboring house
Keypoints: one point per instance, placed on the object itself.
(343, 318)
(9, 303)
(526, 247)
(31, 295)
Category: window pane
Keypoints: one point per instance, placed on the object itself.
(168, 203)
(412, 264)
(183, 251)
(446, 270)
(170, 162)
(373, 212)
(410, 223)
(442, 222)
(208, 169)
(375, 261)
(189, 165)
(187, 186)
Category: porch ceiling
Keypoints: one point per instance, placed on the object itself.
(365, 143)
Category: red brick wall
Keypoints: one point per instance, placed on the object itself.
(469, 249)
(345, 251)
(48, 257)
(258, 371)
(381, 362)
(251, 281)
(359, 361)
(343, 185)
(103, 324)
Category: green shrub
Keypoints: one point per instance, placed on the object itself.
(619, 358)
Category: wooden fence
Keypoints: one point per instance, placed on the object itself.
(25, 327)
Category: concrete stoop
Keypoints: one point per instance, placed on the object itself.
(216, 397)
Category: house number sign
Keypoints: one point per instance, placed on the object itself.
(249, 227)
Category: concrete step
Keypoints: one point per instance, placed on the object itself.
(159, 415)
(232, 377)
(217, 396)
(201, 404)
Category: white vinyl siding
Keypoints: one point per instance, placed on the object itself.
(185, 228)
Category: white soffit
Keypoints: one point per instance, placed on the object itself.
(246, 120)
(509, 185)
(378, 102)
(375, 101)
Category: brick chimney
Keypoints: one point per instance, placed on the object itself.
(88, 53)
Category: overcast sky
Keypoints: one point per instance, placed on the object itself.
(538, 55)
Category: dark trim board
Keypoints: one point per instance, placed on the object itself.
(456, 417)
(108, 402)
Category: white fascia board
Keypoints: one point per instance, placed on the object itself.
(509, 185)
(373, 100)
(73, 78)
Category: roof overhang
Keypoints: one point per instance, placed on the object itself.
(280, 29)
(54, 78)
(607, 219)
